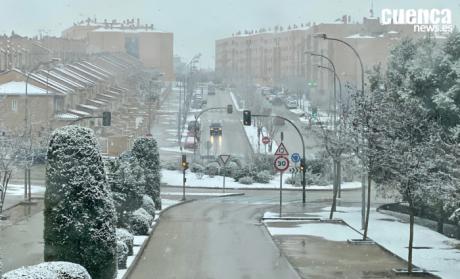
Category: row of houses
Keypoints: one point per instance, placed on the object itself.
(34, 103)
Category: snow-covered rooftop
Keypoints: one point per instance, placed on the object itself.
(79, 112)
(65, 116)
(88, 107)
(359, 36)
(19, 88)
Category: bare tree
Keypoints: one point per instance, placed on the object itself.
(11, 152)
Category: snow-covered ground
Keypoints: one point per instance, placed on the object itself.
(437, 253)
(333, 232)
(251, 133)
(197, 194)
(18, 190)
(235, 102)
(174, 178)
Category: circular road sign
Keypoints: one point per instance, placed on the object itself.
(295, 157)
(265, 140)
(281, 163)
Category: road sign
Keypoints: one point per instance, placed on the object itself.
(281, 151)
(281, 163)
(223, 159)
(295, 157)
(295, 170)
(265, 140)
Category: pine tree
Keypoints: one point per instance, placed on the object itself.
(79, 213)
(145, 150)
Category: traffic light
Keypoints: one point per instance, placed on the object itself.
(247, 117)
(106, 118)
(184, 163)
(314, 112)
(302, 164)
(229, 108)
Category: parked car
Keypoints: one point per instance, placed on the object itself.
(291, 104)
(190, 143)
(215, 129)
(211, 90)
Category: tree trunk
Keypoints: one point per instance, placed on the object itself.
(368, 210)
(411, 237)
(334, 191)
(440, 224)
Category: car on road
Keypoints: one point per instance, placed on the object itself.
(291, 104)
(277, 101)
(211, 90)
(215, 129)
(190, 143)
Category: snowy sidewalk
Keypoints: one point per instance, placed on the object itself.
(433, 252)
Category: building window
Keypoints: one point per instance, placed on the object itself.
(14, 105)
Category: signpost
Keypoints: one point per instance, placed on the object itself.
(223, 160)
(281, 164)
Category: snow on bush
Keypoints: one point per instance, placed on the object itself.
(122, 254)
(171, 165)
(125, 236)
(49, 270)
(230, 169)
(126, 180)
(247, 170)
(140, 222)
(247, 180)
(263, 177)
(148, 205)
(145, 150)
(293, 180)
(80, 217)
(196, 168)
(212, 169)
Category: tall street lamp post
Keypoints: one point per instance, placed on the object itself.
(363, 190)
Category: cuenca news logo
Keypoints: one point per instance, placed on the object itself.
(423, 20)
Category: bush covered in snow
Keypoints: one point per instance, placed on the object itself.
(125, 236)
(148, 205)
(79, 213)
(122, 254)
(169, 165)
(49, 270)
(140, 222)
(230, 169)
(212, 169)
(293, 180)
(263, 162)
(126, 180)
(247, 170)
(145, 150)
(247, 180)
(263, 177)
(194, 167)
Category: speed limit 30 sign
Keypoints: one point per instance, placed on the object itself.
(281, 163)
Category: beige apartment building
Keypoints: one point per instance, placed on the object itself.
(152, 47)
(276, 57)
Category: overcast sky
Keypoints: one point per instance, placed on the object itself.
(196, 24)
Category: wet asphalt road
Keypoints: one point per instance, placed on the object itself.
(213, 238)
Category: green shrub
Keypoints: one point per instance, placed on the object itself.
(247, 180)
(79, 215)
(263, 177)
(212, 169)
(122, 254)
(148, 205)
(145, 150)
(125, 236)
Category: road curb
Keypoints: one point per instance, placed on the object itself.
(257, 188)
(279, 249)
(147, 241)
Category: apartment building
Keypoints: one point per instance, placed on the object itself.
(276, 57)
(154, 48)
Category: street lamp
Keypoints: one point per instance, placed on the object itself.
(28, 130)
(335, 74)
(325, 37)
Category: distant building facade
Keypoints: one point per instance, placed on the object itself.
(276, 57)
(152, 47)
